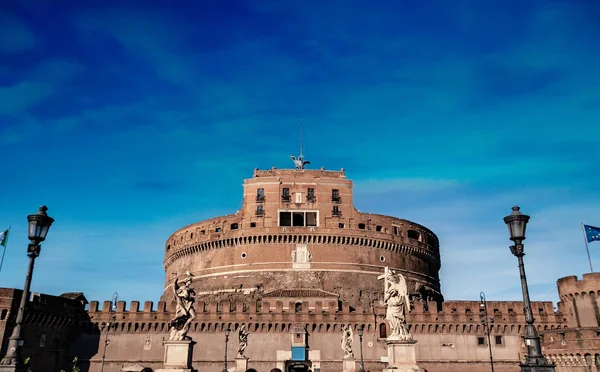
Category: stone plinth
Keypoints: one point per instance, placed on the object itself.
(401, 356)
(349, 365)
(241, 364)
(178, 356)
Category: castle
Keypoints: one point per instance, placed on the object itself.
(295, 265)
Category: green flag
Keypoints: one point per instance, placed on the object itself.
(4, 237)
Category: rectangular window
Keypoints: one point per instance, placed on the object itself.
(480, 340)
(260, 210)
(285, 195)
(335, 195)
(260, 194)
(341, 225)
(396, 230)
(498, 340)
(311, 218)
(285, 219)
(378, 228)
(336, 211)
(310, 195)
(252, 224)
(299, 218)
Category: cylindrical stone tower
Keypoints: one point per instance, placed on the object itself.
(298, 229)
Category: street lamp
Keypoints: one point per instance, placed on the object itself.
(227, 331)
(113, 308)
(486, 324)
(360, 334)
(39, 224)
(535, 361)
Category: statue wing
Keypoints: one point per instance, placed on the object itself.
(306, 162)
(293, 158)
(351, 333)
(175, 287)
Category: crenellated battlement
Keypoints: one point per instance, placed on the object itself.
(458, 315)
(570, 286)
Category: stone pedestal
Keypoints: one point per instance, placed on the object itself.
(178, 356)
(241, 364)
(349, 365)
(401, 356)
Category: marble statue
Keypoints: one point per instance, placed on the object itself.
(397, 305)
(300, 162)
(243, 339)
(185, 312)
(347, 338)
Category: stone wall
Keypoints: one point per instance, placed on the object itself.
(50, 325)
(449, 339)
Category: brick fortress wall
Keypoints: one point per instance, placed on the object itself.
(448, 340)
(578, 347)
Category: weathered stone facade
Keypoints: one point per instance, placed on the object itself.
(297, 263)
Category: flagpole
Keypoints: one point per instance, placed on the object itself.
(4, 246)
(586, 247)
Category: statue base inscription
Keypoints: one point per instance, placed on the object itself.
(241, 364)
(401, 356)
(178, 356)
(349, 365)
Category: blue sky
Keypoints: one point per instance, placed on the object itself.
(130, 119)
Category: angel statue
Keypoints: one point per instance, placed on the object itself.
(300, 162)
(347, 338)
(243, 338)
(185, 312)
(397, 305)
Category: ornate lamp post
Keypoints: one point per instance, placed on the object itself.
(535, 362)
(113, 308)
(39, 224)
(360, 334)
(486, 325)
(227, 331)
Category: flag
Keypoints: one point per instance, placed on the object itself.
(591, 233)
(4, 238)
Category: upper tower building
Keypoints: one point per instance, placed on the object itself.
(299, 235)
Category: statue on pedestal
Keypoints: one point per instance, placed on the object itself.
(243, 339)
(185, 312)
(397, 305)
(347, 338)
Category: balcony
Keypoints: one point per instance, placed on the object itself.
(285, 198)
(336, 199)
(336, 213)
(260, 212)
(311, 199)
(260, 198)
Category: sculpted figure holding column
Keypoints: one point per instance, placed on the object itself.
(397, 305)
(185, 312)
(243, 339)
(347, 338)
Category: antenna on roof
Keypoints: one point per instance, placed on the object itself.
(301, 123)
(300, 162)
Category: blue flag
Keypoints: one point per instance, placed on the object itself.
(591, 233)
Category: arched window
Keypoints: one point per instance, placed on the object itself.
(298, 307)
(382, 330)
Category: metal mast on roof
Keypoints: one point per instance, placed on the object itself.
(300, 162)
